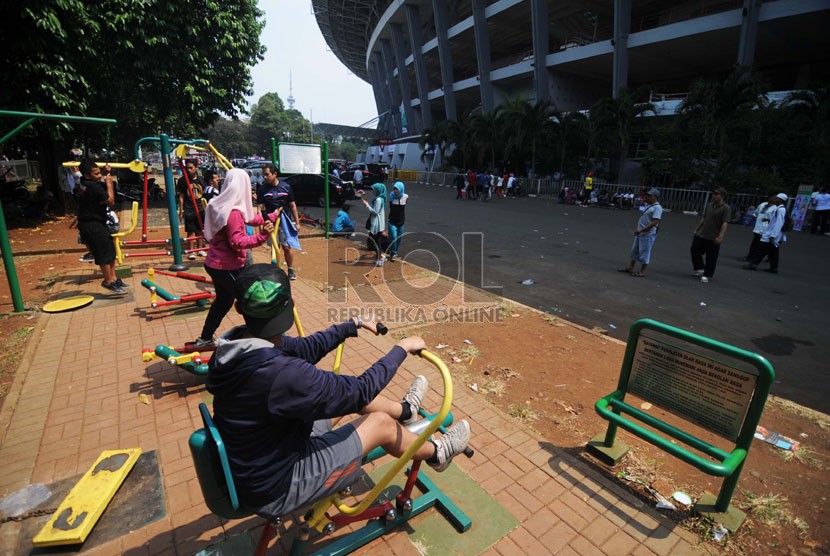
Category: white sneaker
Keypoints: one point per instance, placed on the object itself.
(704, 279)
(697, 273)
(191, 256)
(451, 444)
(415, 397)
(202, 253)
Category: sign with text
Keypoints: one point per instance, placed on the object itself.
(299, 159)
(710, 394)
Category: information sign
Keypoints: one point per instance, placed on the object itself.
(706, 392)
(299, 159)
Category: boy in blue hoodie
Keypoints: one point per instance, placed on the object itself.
(343, 224)
(273, 406)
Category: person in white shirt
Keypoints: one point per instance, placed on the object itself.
(645, 234)
(822, 213)
(772, 236)
(761, 225)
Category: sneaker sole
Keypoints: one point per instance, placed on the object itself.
(467, 433)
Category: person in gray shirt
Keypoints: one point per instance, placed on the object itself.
(708, 236)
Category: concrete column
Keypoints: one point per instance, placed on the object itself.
(482, 35)
(403, 77)
(378, 85)
(749, 32)
(388, 66)
(540, 23)
(442, 24)
(416, 41)
(622, 28)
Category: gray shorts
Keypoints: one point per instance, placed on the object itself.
(332, 464)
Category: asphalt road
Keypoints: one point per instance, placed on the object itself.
(572, 254)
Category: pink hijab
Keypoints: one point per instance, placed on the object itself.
(235, 195)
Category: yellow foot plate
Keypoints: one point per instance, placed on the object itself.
(74, 519)
(68, 303)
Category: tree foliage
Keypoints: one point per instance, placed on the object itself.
(152, 65)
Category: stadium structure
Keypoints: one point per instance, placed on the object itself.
(429, 60)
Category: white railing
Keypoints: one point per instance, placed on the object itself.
(676, 200)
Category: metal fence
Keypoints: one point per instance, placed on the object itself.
(675, 200)
(28, 169)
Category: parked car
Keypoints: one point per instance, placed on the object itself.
(309, 189)
(372, 173)
(254, 169)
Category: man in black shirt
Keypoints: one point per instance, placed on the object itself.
(274, 194)
(187, 213)
(95, 193)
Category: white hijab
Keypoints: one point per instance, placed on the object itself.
(235, 195)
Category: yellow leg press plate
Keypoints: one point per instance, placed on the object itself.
(74, 519)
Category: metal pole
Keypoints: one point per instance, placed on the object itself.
(8, 262)
(170, 190)
(5, 244)
(325, 159)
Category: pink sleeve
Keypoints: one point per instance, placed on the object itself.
(238, 236)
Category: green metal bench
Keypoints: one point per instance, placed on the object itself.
(719, 397)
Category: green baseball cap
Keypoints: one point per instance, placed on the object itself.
(263, 296)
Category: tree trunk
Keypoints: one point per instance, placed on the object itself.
(49, 159)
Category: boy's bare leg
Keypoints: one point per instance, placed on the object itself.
(381, 429)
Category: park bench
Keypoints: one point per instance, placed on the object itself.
(714, 386)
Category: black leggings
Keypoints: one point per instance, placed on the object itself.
(223, 283)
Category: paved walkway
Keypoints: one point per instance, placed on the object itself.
(79, 393)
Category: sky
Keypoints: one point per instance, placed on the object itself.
(325, 91)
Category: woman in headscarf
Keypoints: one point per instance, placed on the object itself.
(225, 220)
(377, 222)
(397, 218)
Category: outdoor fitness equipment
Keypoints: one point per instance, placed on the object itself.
(5, 245)
(201, 298)
(217, 483)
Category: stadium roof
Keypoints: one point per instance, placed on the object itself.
(347, 26)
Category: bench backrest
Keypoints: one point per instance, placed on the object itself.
(213, 470)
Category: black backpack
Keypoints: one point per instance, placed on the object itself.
(788, 222)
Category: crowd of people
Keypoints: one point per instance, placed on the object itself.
(485, 185)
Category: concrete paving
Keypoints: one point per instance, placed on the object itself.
(78, 393)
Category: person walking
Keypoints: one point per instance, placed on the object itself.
(821, 215)
(708, 236)
(397, 218)
(459, 182)
(645, 234)
(377, 222)
(761, 224)
(225, 221)
(772, 237)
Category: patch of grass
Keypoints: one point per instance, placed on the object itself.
(802, 526)
(769, 509)
(421, 546)
(11, 351)
(552, 320)
(467, 352)
(802, 455)
(522, 413)
(494, 387)
(813, 416)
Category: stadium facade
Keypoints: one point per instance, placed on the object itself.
(429, 60)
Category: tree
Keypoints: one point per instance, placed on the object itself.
(151, 64)
(233, 138)
(527, 126)
(485, 131)
(571, 135)
(619, 115)
(718, 110)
